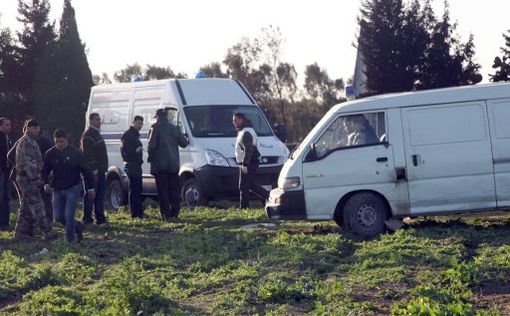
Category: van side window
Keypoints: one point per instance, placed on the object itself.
(352, 131)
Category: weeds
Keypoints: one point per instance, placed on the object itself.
(207, 263)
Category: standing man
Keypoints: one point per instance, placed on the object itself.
(93, 148)
(67, 164)
(28, 177)
(5, 170)
(131, 150)
(44, 145)
(247, 156)
(163, 151)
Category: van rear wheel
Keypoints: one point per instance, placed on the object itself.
(364, 214)
(192, 194)
(114, 195)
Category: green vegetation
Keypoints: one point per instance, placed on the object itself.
(207, 263)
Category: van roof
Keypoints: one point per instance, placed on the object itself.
(427, 97)
(203, 91)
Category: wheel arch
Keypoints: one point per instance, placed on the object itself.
(339, 209)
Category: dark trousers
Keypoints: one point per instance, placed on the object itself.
(247, 184)
(169, 193)
(5, 194)
(98, 203)
(135, 194)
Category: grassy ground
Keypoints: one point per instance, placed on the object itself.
(207, 263)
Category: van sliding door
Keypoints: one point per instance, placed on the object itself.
(448, 158)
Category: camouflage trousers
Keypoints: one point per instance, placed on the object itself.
(32, 210)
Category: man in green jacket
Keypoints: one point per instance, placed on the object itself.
(164, 141)
(29, 163)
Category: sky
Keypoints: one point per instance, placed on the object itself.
(186, 35)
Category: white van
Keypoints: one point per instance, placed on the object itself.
(203, 109)
(421, 153)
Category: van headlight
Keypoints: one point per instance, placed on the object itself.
(214, 158)
(291, 183)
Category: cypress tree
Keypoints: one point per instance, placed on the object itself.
(75, 77)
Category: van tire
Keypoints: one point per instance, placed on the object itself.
(115, 196)
(192, 194)
(364, 214)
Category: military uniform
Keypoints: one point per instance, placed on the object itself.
(28, 167)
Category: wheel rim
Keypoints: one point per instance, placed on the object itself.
(192, 195)
(367, 215)
(115, 196)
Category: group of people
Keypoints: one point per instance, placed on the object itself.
(49, 179)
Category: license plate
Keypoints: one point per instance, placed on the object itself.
(267, 187)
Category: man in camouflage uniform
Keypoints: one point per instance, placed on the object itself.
(28, 167)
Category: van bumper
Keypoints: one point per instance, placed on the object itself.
(223, 182)
(286, 204)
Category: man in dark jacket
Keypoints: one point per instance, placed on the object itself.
(132, 153)
(67, 163)
(93, 148)
(247, 156)
(5, 170)
(163, 151)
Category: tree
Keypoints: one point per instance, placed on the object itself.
(129, 73)
(502, 64)
(321, 88)
(213, 70)
(150, 72)
(154, 72)
(380, 42)
(11, 102)
(103, 79)
(408, 48)
(37, 36)
(282, 76)
(72, 79)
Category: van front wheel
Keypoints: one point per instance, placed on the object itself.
(365, 213)
(192, 195)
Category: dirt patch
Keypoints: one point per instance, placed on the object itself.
(494, 294)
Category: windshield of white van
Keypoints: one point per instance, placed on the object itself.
(216, 120)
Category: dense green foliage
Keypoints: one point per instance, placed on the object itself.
(206, 263)
(405, 47)
(44, 72)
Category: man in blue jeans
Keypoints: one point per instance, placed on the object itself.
(67, 163)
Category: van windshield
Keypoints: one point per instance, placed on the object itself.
(216, 120)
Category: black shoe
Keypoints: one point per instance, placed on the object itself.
(79, 232)
(87, 221)
(103, 222)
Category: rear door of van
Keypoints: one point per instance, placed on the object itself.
(499, 118)
(448, 158)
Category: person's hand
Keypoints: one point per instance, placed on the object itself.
(139, 149)
(91, 194)
(48, 189)
(244, 169)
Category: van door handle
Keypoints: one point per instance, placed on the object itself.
(415, 159)
(381, 159)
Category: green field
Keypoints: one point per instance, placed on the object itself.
(207, 263)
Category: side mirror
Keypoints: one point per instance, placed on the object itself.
(280, 131)
(312, 153)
